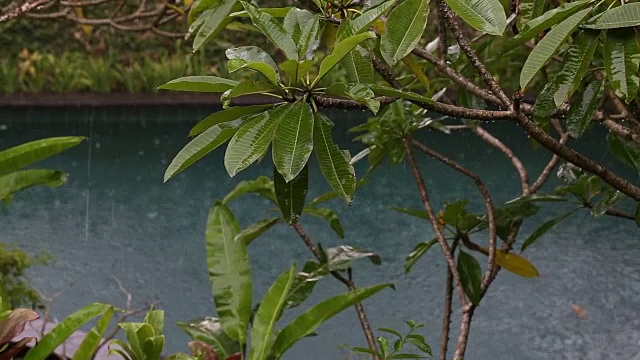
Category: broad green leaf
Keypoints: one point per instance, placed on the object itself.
(296, 71)
(334, 163)
(357, 63)
(227, 115)
(276, 12)
(357, 92)
(574, 66)
(549, 45)
(545, 104)
(457, 215)
(244, 88)
(516, 264)
(340, 51)
(198, 7)
(623, 16)
(155, 318)
(203, 144)
(268, 313)
(625, 150)
(251, 232)
(403, 29)
(23, 179)
(340, 257)
(545, 21)
(251, 141)
(262, 185)
(92, 340)
(303, 27)
(419, 213)
(621, 61)
(212, 84)
(293, 140)
(543, 229)
(304, 282)
(254, 58)
(607, 200)
(209, 330)
(485, 15)
(229, 272)
(581, 112)
(470, 276)
(330, 216)
(364, 21)
(310, 320)
(17, 157)
(291, 195)
(417, 253)
(61, 332)
(529, 9)
(212, 21)
(272, 30)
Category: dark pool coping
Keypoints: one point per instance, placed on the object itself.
(120, 99)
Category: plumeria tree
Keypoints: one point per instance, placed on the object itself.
(555, 69)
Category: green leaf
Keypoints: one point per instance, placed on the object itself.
(549, 45)
(357, 63)
(203, 144)
(23, 179)
(334, 163)
(516, 264)
(623, 16)
(92, 340)
(340, 257)
(261, 185)
(276, 12)
(254, 58)
(61, 332)
(211, 21)
(544, 228)
(276, 34)
(357, 92)
(403, 30)
(340, 51)
(295, 71)
(251, 232)
(17, 157)
(626, 151)
(417, 253)
(538, 198)
(211, 84)
(608, 199)
(544, 21)
(485, 15)
(246, 87)
(291, 195)
(330, 216)
(209, 330)
(389, 91)
(251, 141)
(575, 65)
(621, 61)
(303, 27)
(581, 112)
(229, 272)
(529, 9)
(226, 115)
(268, 313)
(470, 276)
(364, 21)
(293, 140)
(310, 320)
(419, 213)
(304, 282)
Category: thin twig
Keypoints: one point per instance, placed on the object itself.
(446, 250)
(446, 318)
(362, 316)
(515, 161)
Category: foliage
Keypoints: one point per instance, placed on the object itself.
(394, 350)
(14, 264)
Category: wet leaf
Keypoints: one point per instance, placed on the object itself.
(209, 330)
(253, 231)
(623, 16)
(17, 157)
(293, 140)
(274, 31)
(621, 61)
(23, 179)
(340, 257)
(262, 185)
(470, 276)
(516, 264)
(417, 253)
(303, 27)
(330, 216)
(544, 228)
(484, 15)
(581, 112)
(291, 195)
(403, 29)
(339, 52)
(211, 84)
(625, 150)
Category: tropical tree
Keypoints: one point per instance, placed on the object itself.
(554, 69)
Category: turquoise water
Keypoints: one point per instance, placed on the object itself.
(115, 217)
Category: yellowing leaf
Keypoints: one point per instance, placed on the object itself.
(516, 264)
